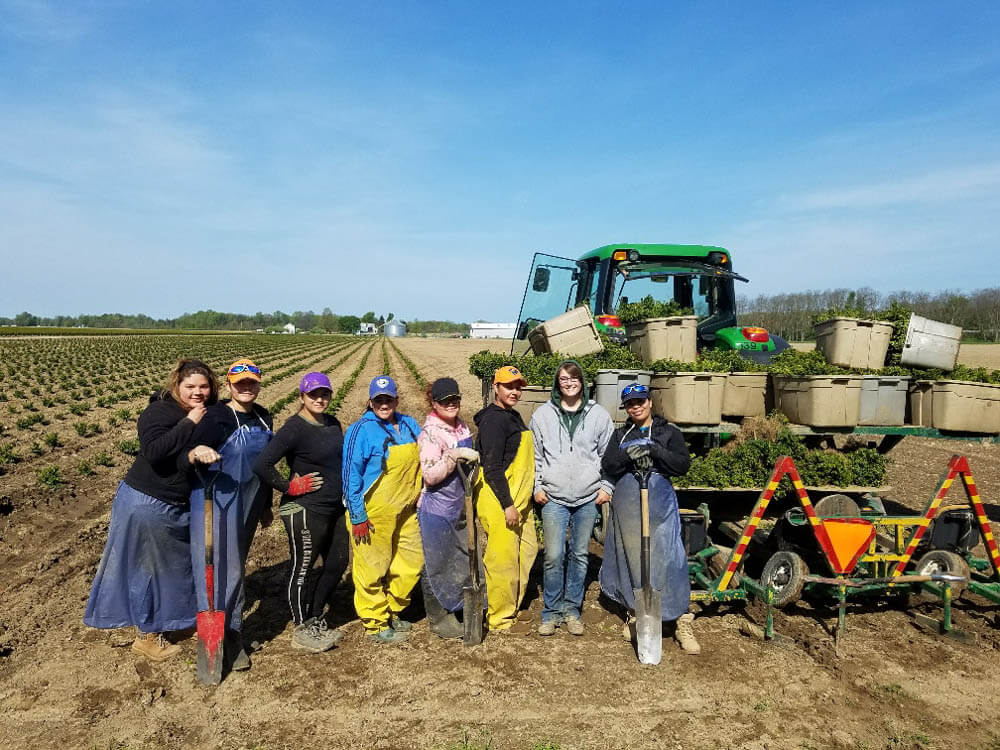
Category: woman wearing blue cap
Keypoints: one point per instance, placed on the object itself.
(649, 445)
(381, 478)
(312, 506)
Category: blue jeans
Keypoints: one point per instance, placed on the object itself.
(565, 565)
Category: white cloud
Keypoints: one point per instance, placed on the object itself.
(935, 187)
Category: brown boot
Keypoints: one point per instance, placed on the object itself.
(684, 635)
(154, 646)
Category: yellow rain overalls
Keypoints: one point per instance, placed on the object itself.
(509, 553)
(386, 569)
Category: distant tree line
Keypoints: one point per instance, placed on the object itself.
(790, 315)
(211, 320)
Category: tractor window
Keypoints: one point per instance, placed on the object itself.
(698, 292)
(550, 291)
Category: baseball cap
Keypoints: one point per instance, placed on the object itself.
(382, 385)
(634, 390)
(243, 369)
(443, 388)
(313, 380)
(509, 375)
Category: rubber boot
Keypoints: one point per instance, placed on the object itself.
(443, 623)
(154, 646)
(237, 651)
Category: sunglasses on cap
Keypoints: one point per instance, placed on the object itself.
(634, 391)
(237, 369)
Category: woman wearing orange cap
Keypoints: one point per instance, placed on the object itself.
(503, 505)
(225, 445)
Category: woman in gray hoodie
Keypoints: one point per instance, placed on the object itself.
(571, 433)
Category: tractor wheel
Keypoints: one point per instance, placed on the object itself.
(836, 505)
(786, 572)
(943, 561)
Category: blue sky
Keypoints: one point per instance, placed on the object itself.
(164, 157)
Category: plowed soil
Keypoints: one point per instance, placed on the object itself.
(887, 684)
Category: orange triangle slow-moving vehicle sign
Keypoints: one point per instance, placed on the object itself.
(849, 538)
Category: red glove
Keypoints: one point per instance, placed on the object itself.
(362, 531)
(302, 485)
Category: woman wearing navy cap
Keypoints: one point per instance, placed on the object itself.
(312, 506)
(647, 444)
(382, 482)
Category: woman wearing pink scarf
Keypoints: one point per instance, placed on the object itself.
(444, 441)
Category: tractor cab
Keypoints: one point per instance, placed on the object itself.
(699, 277)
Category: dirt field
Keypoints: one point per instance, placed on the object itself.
(888, 685)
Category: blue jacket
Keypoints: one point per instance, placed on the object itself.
(365, 447)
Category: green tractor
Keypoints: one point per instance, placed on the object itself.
(699, 277)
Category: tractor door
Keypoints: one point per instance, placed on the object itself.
(552, 288)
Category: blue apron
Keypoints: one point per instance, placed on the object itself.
(668, 571)
(442, 530)
(235, 518)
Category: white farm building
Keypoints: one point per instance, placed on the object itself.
(492, 330)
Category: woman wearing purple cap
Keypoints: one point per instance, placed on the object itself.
(381, 479)
(312, 508)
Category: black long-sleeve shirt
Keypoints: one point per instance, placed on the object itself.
(164, 431)
(497, 441)
(307, 447)
(668, 450)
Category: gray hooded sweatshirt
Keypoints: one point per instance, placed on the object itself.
(568, 449)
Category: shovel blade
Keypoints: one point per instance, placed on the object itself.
(211, 632)
(648, 625)
(472, 615)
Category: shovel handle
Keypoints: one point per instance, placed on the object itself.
(470, 519)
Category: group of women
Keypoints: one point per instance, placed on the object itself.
(388, 498)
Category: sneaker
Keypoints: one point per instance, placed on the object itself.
(574, 625)
(547, 628)
(400, 625)
(684, 635)
(388, 637)
(154, 646)
(313, 635)
(628, 628)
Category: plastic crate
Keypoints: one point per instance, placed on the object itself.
(819, 400)
(532, 397)
(921, 411)
(747, 394)
(853, 342)
(572, 334)
(608, 389)
(883, 400)
(930, 344)
(664, 338)
(962, 406)
(688, 397)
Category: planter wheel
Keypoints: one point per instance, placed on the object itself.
(943, 561)
(786, 572)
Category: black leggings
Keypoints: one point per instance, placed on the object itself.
(311, 535)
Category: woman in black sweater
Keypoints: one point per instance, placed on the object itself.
(144, 578)
(312, 508)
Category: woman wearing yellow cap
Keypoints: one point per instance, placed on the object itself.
(222, 450)
(504, 499)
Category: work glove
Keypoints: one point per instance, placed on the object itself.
(465, 454)
(301, 485)
(640, 456)
(362, 531)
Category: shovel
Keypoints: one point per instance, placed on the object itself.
(648, 623)
(472, 596)
(211, 624)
